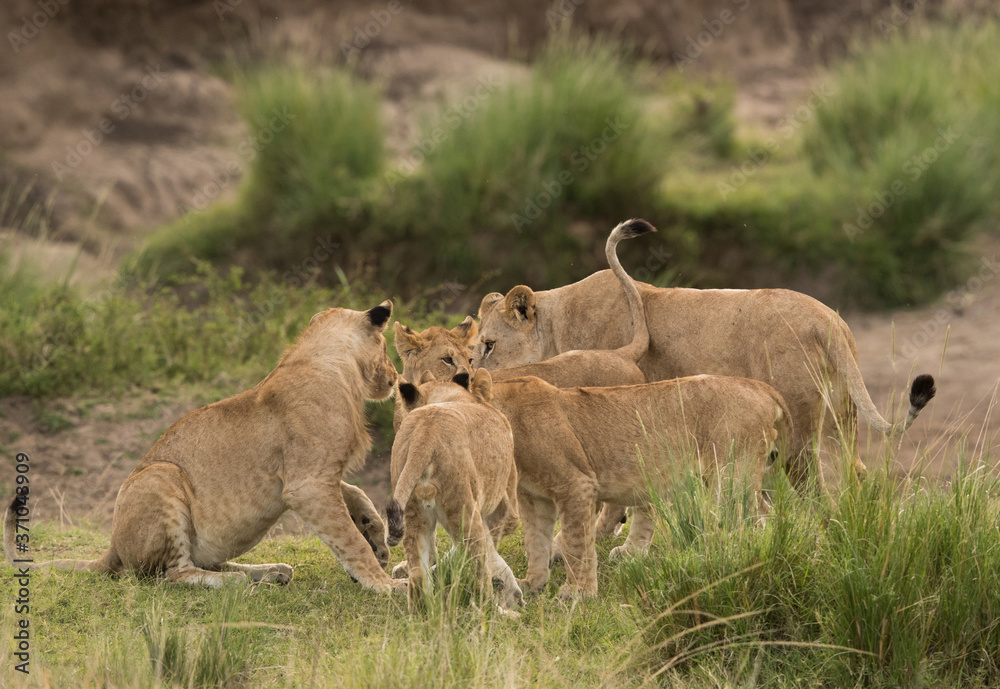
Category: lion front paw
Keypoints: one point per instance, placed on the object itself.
(401, 570)
(278, 574)
(512, 597)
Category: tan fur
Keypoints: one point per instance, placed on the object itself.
(574, 447)
(596, 367)
(213, 484)
(453, 463)
(784, 338)
(429, 351)
(441, 352)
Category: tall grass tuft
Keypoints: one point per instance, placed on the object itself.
(892, 587)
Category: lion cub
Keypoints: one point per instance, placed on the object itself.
(453, 463)
(215, 482)
(576, 446)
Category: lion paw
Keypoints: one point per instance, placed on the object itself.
(279, 574)
(511, 597)
(400, 571)
(619, 553)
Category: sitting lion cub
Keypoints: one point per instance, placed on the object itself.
(576, 446)
(215, 482)
(453, 463)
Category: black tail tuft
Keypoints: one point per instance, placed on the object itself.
(922, 391)
(18, 501)
(634, 228)
(394, 521)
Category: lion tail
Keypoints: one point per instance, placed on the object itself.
(922, 390)
(636, 227)
(784, 425)
(414, 479)
(109, 563)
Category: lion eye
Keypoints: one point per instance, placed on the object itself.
(487, 348)
(448, 361)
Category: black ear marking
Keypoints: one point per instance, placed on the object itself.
(379, 314)
(462, 379)
(409, 392)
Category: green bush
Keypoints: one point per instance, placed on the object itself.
(860, 187)
(507, 177)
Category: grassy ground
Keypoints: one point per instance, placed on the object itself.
(890, 583)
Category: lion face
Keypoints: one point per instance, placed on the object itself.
(508, 334)
(439, 352)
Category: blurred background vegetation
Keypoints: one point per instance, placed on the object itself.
(867, 194)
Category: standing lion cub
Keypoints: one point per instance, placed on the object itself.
(215, 482)
(453, 463)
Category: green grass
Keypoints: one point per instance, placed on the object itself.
(321, 630)
(890, 584)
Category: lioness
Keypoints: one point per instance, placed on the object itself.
(576, 446)
(442, 353)
(453, 463)
(781, 337)
(599, 367)
(213, 484)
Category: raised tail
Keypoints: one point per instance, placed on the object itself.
(922, 390)
(107, 564)
(636, 227)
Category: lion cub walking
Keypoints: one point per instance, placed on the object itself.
(215, 482)
(453, 463)
(576, 446)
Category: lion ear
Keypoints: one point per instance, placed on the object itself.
(482, 385)
(409, 393)
(426, 377)
(488, 303)
(407, 341)
(316, 317)
(519, 305)
(378, 316)
(467, 330)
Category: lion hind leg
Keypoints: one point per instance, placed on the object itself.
(640, 535)
(611, 520)
(538, 515)
(579, 543)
